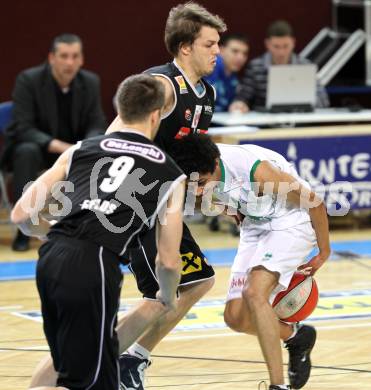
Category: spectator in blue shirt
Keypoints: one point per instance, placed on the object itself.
(233, 56)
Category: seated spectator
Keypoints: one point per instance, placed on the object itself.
(234, 49)
(55, 105)
(280, 44)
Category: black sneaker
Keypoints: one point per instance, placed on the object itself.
(21, 242)
(300, 347)
(132, 372)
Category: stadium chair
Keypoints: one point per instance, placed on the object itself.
(5, 117)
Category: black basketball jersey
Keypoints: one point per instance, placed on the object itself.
(192, 110)
(121, 181)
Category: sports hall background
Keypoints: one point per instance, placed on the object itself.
(125, 37)
(122, 37)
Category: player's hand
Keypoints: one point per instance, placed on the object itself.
(233, 213)
(170, 304)
(315, 263)
(238, 218)
(57, 146)
(238, 107)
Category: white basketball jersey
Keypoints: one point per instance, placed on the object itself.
(236, 189)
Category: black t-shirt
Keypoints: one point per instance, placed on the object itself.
(121, 182)
(192, 111)
(64, 112)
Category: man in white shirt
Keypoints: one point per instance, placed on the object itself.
(281, 222)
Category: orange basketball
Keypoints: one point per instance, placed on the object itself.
(298, 301)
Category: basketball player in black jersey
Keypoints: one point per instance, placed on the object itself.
(123, 184)
(191, 37)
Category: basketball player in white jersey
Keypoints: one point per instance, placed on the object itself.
(282, 220)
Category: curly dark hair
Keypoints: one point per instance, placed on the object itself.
(195, 153)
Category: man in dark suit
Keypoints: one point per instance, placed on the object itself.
(55, 105)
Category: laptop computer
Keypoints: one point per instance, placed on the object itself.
(291, 88)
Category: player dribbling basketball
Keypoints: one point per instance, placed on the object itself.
(281, 222)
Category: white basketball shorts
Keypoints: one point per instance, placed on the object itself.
(281, 251)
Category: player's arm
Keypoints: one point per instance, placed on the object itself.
(169, 94)
(283, 183)
(27, 211)
(169, 234)
(117, 124)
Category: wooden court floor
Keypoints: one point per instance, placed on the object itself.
(202, 353)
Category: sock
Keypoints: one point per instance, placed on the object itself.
(138, 351)
(283, 387)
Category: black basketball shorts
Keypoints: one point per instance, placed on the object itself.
(79, 285)
(142, 263)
